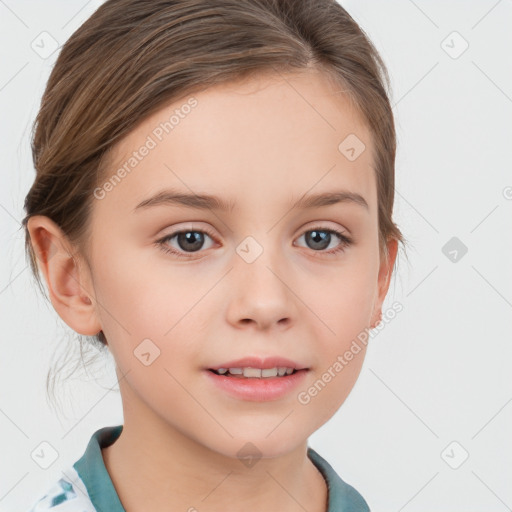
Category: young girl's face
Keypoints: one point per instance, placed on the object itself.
(263, 278)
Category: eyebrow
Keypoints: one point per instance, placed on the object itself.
(209, 202)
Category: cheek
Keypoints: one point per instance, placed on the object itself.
(341, 339)
(343, 300)
(132, 293)
(140, 302)
(160, 390)
(331, 387)
(343, 312)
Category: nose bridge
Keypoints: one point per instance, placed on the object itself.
(259, 258)
(259, 288)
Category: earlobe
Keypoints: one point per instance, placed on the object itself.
(377, 320)
(69, 284)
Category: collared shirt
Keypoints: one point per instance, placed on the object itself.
(86, 486)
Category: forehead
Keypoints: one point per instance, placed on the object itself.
(270, 136)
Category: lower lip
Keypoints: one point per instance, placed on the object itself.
(258, 389)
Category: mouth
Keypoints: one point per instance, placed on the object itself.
(256, 373)
(274, 367)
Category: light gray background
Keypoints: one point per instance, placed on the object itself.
(435, 374)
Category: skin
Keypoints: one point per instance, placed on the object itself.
(293, 300)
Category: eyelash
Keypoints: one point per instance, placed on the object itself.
(345, 241)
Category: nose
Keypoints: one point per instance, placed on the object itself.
(260, 294)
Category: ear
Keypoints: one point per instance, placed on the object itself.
(68, 280)
(384, 279)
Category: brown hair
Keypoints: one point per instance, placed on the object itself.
(133, 56)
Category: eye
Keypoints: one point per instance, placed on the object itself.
(320, 238)
(188, 240)
(192, 240)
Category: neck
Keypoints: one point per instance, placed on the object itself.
(169, 471)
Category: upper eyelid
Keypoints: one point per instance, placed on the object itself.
(320, 224)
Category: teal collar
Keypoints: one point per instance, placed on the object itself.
(91, 469)
(342, 497)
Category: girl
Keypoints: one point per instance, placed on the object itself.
(258, 132)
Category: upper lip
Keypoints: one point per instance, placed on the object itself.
(263, 363)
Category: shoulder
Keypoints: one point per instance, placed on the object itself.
(352, 499)
(68, 494)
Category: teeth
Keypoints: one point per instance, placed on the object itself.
(252, 372)
(256, 372)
